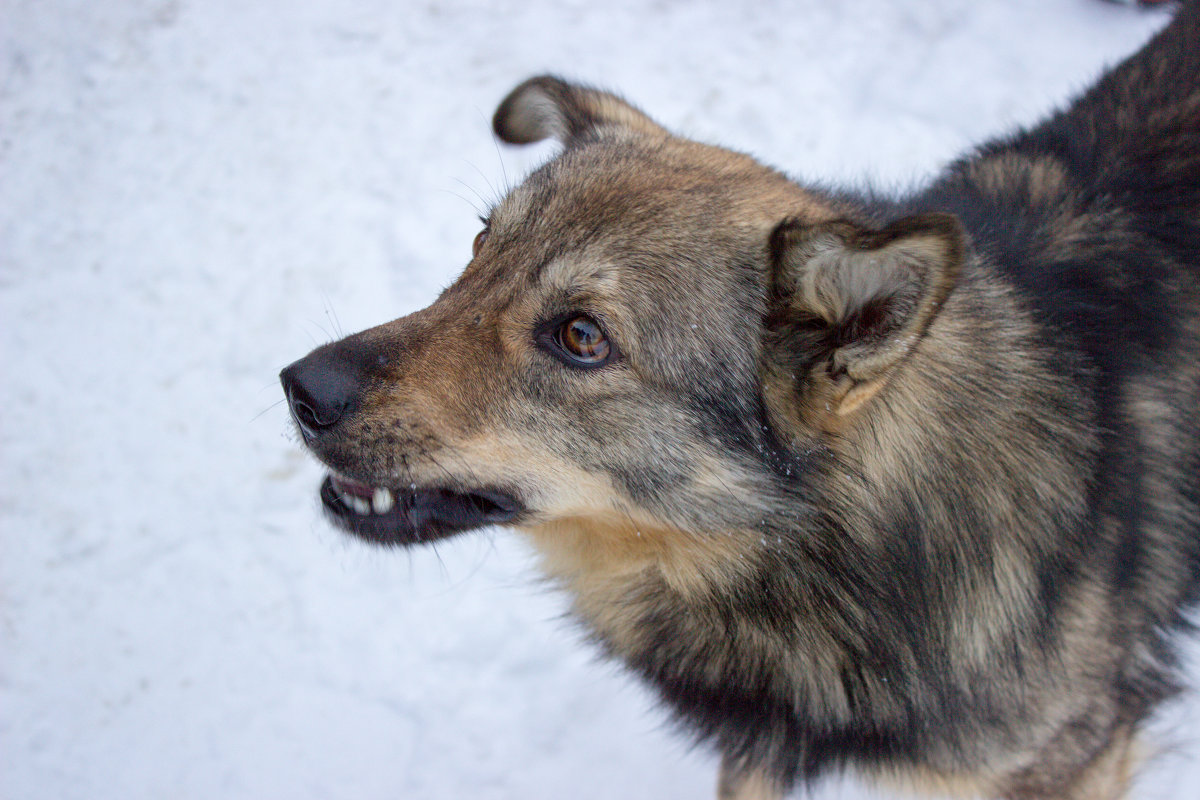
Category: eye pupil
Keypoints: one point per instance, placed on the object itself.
(584, 341)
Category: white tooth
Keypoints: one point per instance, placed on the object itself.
(382, 501)
(361, 505)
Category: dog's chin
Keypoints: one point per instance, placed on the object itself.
(390, 516)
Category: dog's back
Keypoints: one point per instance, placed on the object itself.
(1094, 216)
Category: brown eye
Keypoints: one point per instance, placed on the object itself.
(583, 341)
(477, 245)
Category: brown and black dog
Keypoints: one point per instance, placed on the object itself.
(909, 486)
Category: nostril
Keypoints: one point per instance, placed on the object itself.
(312, 414)
(320, 392)
(316, 418)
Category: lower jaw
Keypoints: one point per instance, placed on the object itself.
(406, 517)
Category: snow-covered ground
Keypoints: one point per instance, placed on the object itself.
(193, 194)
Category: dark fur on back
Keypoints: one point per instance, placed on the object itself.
(1104, 249)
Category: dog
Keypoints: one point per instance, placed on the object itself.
(909, 486)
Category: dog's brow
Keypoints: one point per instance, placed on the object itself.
(575, 271)
(512, 207)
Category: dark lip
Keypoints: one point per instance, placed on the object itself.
(422, 514)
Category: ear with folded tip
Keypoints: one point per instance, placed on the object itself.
(852, 302)
(547, 106)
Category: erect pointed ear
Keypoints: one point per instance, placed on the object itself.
(547, 106)
(856, 301)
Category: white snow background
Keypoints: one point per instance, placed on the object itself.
(193, 194)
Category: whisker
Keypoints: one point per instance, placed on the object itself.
(328, 337)
(481, 209)
(332, 316)
(500, 158)
(478, 211)
(491, 186)
(265, 410)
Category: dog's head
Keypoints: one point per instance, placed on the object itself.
(648, 344)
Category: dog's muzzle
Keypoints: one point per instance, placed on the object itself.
(325, 388)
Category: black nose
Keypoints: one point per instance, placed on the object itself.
(321, 389)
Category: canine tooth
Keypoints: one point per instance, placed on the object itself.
(361, 505)
(382, 501)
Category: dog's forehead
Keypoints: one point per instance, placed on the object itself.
(641, 201)
(630, 179)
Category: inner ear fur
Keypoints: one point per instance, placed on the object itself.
(546, 106)
(857, 300)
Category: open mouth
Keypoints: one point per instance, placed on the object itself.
(386, 515)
